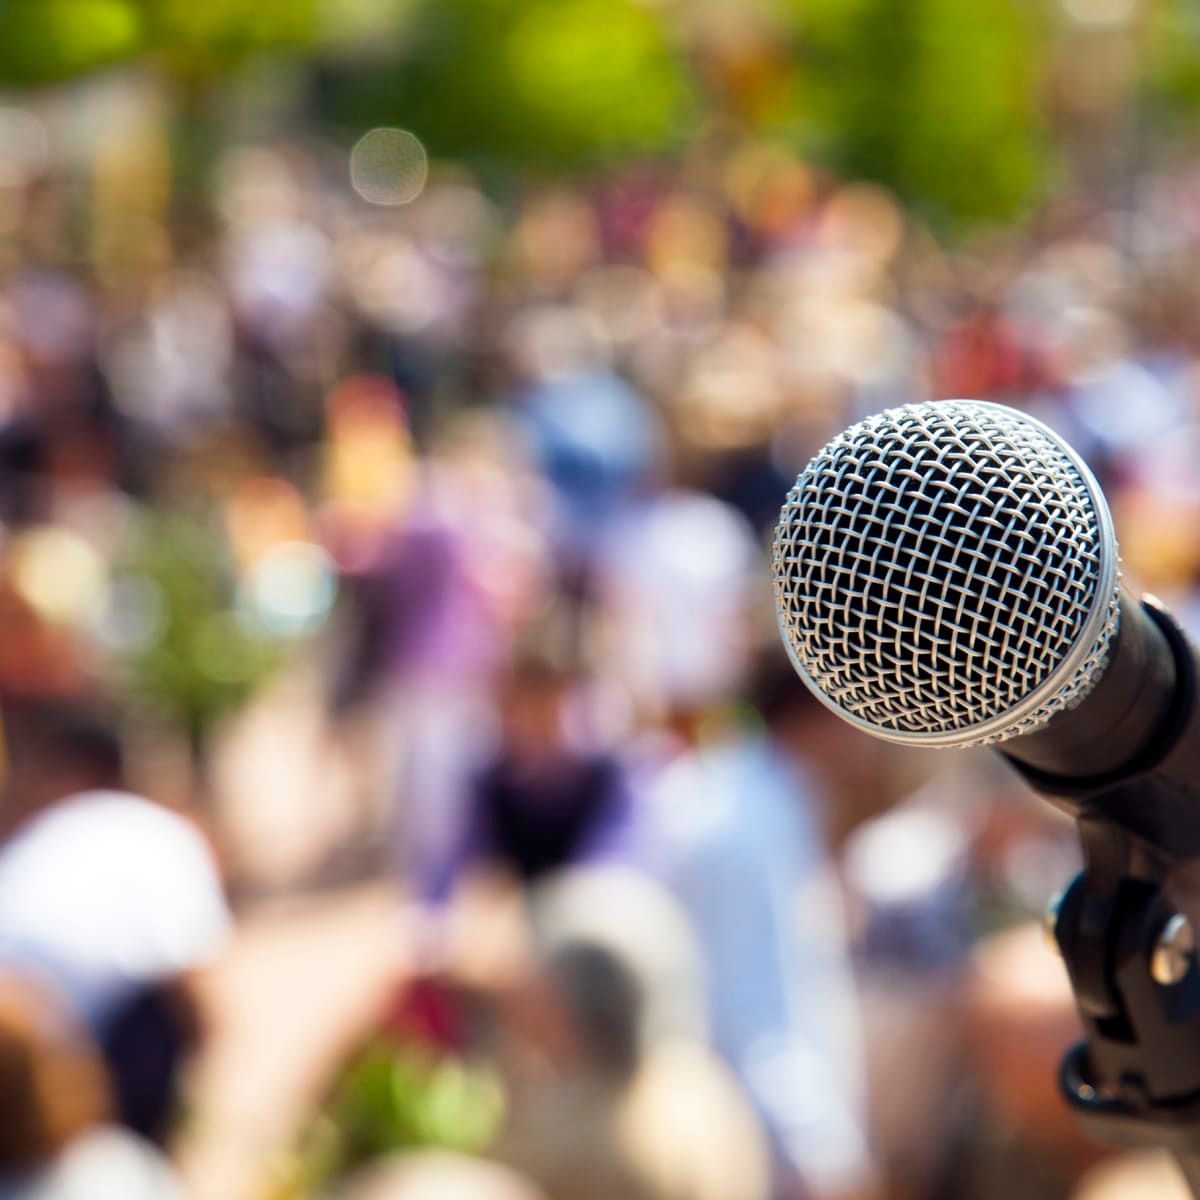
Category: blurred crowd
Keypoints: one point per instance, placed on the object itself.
(425, 545)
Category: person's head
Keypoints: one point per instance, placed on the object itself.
(790, 711)
(52, 1085)
(683, 588)
(531, 699)
(57, 748)
(623, 959)
(603, 1006)
(439, 1176)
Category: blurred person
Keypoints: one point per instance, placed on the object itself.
(733, 826)
(117, 898)
(544, 799)
(909, 870)
(576, 1018)
(438, 608)
(1135, 1175)
(593, 437)
(905, 877)
(980, 358)
(438, 1176)
(37, 657)
(619, 908)
(678, 591)
(612, 1092)
(56, 1142)
(965, 1031)
(727, 818)
(966, 1067)
(1021, 1020)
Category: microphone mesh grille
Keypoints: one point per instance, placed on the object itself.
(936, 564)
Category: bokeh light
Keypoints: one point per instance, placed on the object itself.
(291, 589)
(132, 615)
(389, 166)
(58, 573)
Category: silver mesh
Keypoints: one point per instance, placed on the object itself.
(946, 573)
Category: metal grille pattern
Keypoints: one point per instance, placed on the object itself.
(937, 566)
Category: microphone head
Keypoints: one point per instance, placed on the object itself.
(946, 574)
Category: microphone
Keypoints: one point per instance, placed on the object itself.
(946, 574)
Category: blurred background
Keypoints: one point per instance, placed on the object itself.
(403, 794)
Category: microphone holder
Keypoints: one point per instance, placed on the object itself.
(1127, 940)
(1130, 955)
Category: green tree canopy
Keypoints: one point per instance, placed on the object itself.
(566, 83)
(935, 98)
(44, 41)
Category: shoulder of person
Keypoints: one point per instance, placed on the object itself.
(108, 1162)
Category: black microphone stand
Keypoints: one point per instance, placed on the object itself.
(1127, 936)
(1129, 949)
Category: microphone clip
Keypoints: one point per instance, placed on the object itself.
(1130, 951)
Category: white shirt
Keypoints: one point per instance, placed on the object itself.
(731, 830)
(106, 1164)
(109, 892)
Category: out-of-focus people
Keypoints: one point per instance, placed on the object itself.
(906, 874)
(733, 827)
(545, 799)
(439, 1176)
(680, 587)
(56, 1142)
(437, 593)
(119, 899)
(593, 437)
(611, 1092)
(623, 910)
(1020, 1022)
(727, 817)
(966, 1016)
(804, 1051)
(1149, 1175)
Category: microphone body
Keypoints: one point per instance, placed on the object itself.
(1130, 751)
(946, 574)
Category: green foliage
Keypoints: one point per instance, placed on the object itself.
(1172, 58)
(540, 82)
(366, 26)
(393, 1099)
(200, 658)
(46, 40)
(593, 71)
(936, 98)
(202, 38)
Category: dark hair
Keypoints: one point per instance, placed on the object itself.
(52, 1085)
(778, 693)
(605, 1003)
(72, 735)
